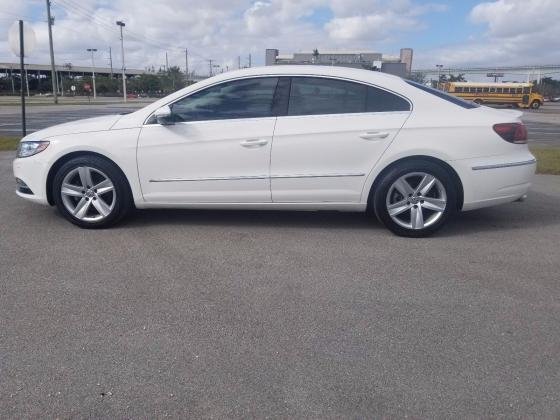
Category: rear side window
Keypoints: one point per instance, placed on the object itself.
(316, 96)
(313, 95)
(442, 95)
(379, 100)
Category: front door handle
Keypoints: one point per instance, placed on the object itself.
(374, 135)
(254, 143)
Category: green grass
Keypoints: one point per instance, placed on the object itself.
(8, 143)
(548, 160)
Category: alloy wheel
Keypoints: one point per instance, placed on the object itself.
(88, 194)
(416, 200)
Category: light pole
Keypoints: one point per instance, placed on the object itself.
(92, 50)
(122, 25)
(439, 67)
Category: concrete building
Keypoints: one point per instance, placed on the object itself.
(398, 65)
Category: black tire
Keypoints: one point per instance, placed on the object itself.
(535, 104)
(382, 189)
(122, 197)
(478, 101)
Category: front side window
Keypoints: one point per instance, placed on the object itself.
(248, 98)
(316, 96)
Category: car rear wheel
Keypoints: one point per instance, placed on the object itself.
(91, 192)
(415, 199)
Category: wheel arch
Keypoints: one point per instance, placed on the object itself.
(65, 158)
(425, 158)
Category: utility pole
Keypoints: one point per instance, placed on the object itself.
(166, 62)
(92, 50)
(249, 60)
(27, 83)
(238, 61)
(121, 24)
(21, 68)
(111, 62)
(187, 64)
(53, 70)
(210, 67)
(12, 77)
(439, 67)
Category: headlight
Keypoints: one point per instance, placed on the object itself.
(30, 148)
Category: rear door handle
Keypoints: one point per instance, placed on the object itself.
(254, 143)
(374, 135)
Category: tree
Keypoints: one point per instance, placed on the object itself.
(315, 55)
(418, 77)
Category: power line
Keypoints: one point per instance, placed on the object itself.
(71, 5)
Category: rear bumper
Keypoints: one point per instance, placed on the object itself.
(495, 180)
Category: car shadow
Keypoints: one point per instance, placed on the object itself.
(251, 218)
(538, 211)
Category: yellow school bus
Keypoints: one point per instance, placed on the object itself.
(516, 94)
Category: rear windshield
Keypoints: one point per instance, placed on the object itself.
(443, 95)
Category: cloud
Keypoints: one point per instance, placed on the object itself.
(504, 31)
(514, 32)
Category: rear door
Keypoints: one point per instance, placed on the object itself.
(330, 137)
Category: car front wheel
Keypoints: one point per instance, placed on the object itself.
(91, 192)
(415, 199)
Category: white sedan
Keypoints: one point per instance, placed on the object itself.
(285, 137)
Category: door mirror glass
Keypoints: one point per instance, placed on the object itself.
(164, 116)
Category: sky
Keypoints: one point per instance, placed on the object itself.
(451, 32)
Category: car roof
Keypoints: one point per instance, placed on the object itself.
(311, 70)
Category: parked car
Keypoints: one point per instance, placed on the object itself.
(285, 137)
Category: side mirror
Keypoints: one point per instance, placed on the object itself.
(164, 116)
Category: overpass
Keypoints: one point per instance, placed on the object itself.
(34, 70)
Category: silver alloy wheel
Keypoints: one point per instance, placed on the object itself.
(88, 194)
(416, 200)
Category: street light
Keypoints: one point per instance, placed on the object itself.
(122, 25)
(439, 67)
(92, 50)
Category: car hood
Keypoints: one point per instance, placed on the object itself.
(74, 127)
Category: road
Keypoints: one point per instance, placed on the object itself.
(543, 125)
(223, 314)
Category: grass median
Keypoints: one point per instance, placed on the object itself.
(548, 158)
(9, 143)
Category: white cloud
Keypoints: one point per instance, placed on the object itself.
(505, 31)
(513, 32)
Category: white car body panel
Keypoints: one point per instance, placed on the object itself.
(326, 158)
(307, 162)
(206, 161)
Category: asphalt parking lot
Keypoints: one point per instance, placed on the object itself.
(213, 314)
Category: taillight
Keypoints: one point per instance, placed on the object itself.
(512, 132)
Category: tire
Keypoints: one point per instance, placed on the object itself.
(535, 105)
(418, 205)
(87, 206)
(478, 101)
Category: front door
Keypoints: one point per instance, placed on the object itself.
(216, 149)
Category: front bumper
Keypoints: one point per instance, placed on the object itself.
(33, 172)
(495, 180)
